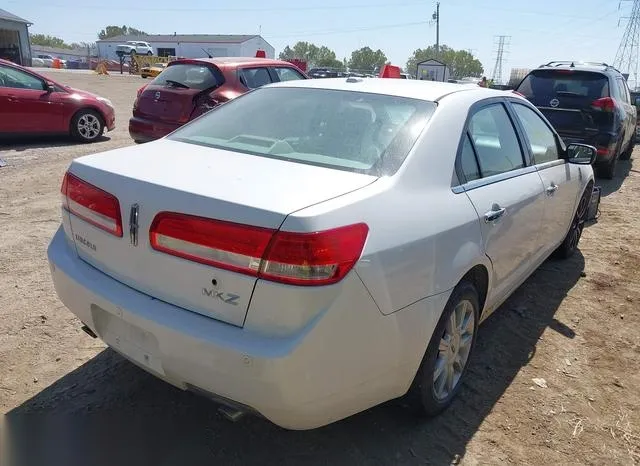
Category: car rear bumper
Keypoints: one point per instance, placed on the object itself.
(337, 365)
(143, 130)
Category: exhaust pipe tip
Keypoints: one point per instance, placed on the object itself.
(88, 331)
(231, 414)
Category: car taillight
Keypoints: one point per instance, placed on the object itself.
(605, 104)
(518, 93)
(141, 90)
(318, 258)
(91, 204)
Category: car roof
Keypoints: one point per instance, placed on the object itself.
(579, 66)
(238, 61)
(412, 88)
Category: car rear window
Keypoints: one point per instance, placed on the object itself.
(347, 130)
(543, 85)
(194, 76)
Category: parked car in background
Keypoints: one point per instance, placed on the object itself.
(188, 88)
(588, 103)
(134, 47)
(152, 70)
(33, 104)
(316, 247)
(635, 99)
(318, 73)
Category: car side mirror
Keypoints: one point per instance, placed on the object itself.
(581, 154)
(49, 87)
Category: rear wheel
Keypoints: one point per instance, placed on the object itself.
(626, 155)
(149, 53)
(608, 171)
(87, 125)
(445, 362)
(133, 52)
(570, 243)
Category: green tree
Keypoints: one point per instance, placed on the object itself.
(48, 41)
(366, 59)
(314, 55)
(460, 62)
(114, 31)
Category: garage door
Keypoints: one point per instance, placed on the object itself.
(10, 46)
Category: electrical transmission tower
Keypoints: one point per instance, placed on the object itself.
(627, 56)
(502, 44)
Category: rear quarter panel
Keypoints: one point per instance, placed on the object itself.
(423, 237)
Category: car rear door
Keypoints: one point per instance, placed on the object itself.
(285, 73)
(576, 102)
(255, 76)
(506, 192)
(630, 113)
(562, 181)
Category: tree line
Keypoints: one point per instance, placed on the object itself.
(461, 63)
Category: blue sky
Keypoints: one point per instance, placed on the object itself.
(539, 30)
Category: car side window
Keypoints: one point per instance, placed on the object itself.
(17, 79)
(495, 141)
(287, 74)
(542, 141)
(624, 90)
(468, 160)
(255, 77)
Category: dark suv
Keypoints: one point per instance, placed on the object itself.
(588, 103)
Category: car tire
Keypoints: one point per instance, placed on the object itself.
(133, 52)
(608, 171)
(149, 53)
(447, 357)
(626, 155)
(570, 243)
(87, 125)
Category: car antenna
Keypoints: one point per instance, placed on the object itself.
(208, 54)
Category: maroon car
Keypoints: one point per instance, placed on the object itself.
(33, 104)
(188, 88)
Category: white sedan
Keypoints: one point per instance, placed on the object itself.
(314, 248)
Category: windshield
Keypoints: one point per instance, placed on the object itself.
(541, 86)
(187, 75)
(355, 131)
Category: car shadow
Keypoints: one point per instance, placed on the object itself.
(42, 142)
(110, 412)
(622, 171)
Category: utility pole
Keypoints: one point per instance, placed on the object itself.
(436, 18)
(627, 56)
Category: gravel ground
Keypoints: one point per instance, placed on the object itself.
(68, 400)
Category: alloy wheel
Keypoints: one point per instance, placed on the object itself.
(454, 349)
(89, 126)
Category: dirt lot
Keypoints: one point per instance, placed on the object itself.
(574, 324)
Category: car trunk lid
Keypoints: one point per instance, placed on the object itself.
(577, 103)
(171, 176)
(173, 95)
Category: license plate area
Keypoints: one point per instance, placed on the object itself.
(132, 341)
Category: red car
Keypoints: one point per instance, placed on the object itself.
(188, 88)
(33, 104)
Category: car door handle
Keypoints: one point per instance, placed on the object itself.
(494, 214)
(552, 189)
(12, 98)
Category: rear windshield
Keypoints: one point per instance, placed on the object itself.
(354, 131)
(543, 85)
(188, 75)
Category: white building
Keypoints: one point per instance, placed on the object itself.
(192, 45)
(14, 38)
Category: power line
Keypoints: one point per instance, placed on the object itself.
(230, 9)
(502, 44)
(341, 31)
(627, 55)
